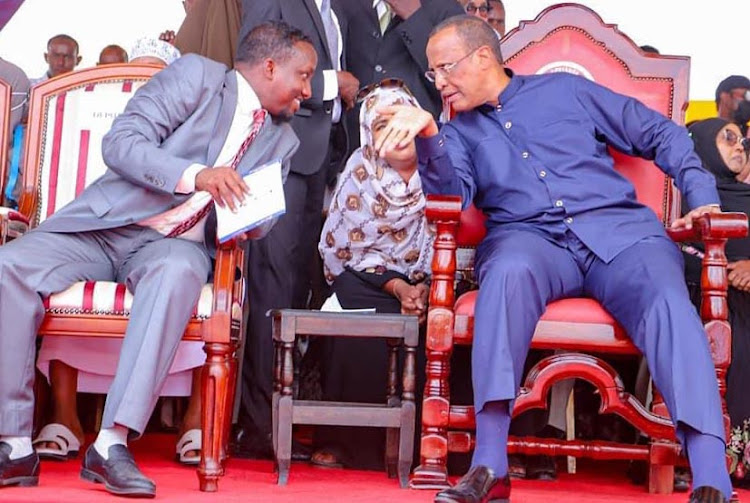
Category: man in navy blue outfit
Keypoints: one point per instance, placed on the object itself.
(531, 153)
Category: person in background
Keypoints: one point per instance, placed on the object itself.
(19, 99)
(211, 28)
(376, 247)
(724, 153)
(733, 100)
(387, 39)
(62, 56)
(496, 16)
(112, 55)
(279, 266)
(479, 8)
(72, 363)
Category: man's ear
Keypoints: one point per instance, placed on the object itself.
(46, 57)
(269, 68)
(78, 60)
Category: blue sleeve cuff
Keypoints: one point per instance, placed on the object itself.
(702, 196)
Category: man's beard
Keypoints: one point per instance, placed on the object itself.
(282, 118)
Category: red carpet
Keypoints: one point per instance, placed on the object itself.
(253, 481)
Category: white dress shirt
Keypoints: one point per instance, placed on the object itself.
(330, 79)
(242, 121)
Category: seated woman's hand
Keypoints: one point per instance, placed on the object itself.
(413, 298)
(739, 275)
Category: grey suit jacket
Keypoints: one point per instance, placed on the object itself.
(180, 117)
(312, 122)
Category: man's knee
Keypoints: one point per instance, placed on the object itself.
(510, 268)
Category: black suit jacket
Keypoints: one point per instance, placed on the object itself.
(312, 122)
(399, 52)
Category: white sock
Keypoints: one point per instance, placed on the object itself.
(20, 446)
(108, 437)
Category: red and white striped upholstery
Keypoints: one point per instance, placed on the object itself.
(108, 297)
(76, 121)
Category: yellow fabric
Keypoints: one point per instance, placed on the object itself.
(698, 110)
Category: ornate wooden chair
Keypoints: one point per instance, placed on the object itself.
(68, 116)
(5, 93)
(572, 38)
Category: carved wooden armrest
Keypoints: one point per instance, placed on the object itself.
(229, 259)
(445, 213)
(12, 224)
(713, 230)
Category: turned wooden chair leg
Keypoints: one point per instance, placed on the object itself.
(284, 417)
(392, 434)
(232, 366)
(214, 388)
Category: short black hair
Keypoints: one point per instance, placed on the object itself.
(474, 32)
(65, 37)
(272, 39)
(650, 49)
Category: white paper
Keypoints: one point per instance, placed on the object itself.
(265, 201)
(332, 305)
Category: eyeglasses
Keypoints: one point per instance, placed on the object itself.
(391, 82)
(445, 69)
(483, 9)
(732, 138)
(740, 94)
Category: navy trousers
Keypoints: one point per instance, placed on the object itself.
(643, 288)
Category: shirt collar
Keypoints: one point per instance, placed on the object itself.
(511, 88)
(506, 94)
(247, 100)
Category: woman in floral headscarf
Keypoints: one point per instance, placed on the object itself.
(376, 248)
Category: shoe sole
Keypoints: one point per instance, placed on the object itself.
(90, 476)
(58, 457)
(27, 481)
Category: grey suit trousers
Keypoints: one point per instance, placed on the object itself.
(165, 277)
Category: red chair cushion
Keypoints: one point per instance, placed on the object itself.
(567, 324)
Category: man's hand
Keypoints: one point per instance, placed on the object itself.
(687, 220)
(348, 87)
(404, 8)
(739, 274)
(404, 124)
(167, 36)
(224, 184)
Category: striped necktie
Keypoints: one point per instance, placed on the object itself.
(332, 36)
(384, 15)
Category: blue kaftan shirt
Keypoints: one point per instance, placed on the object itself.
(539, 162)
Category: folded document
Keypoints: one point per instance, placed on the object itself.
(265, 201)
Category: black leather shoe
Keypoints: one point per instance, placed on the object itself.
(478, 486)
(707, 494)
(119, 474)
(18, 472)
(541, 468)
(246, 443)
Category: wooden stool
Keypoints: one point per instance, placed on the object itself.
(397, 415)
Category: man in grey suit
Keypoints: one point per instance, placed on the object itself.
(186, 138)
(279, 264)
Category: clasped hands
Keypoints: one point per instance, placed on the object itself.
(413, 298)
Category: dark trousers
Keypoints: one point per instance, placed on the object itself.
(277, 273)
